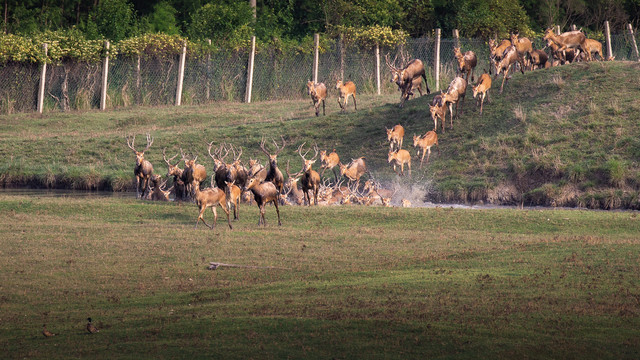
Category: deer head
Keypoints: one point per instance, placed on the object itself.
(307, 163)
(273, 158)
(139, 154)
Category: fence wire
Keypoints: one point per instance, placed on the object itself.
(222, 76)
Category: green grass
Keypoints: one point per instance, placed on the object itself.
(360, 282)
(565, 136)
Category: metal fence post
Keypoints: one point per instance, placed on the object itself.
(607, 35)
(316, 57)
(183, 57)
(378, 68)
(43, 75)
(437, 60)
(247, 97)
(633, 38)
(105, 75)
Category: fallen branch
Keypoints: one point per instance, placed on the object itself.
(215, 265)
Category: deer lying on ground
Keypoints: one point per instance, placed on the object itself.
(143, 169)
(539, 59)
(210, 198)
(568, 40)
(466, 62)
(408, 78)
(395, 136)
(347, 89)
(156, 192)
(510, 57)
(173, 170)
(264, 193)
(438, 110)
(291, 191)
(318, 92)
(424, 143)
(233, 193)
(329, 162)
(400, 157)
(481, 90)
(310, 180)
(496, 52)
(353, 171)
(523, 46)
(455, 95)
(274, 174)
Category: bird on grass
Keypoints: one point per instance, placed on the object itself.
(46, 332)
(91, 328)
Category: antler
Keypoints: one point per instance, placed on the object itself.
(264, 150)
(278, 149)
(386, 59)
(236, 157)
(149, 142)
(164, 156)
(130, 144)
(289, 174)
(300, 151)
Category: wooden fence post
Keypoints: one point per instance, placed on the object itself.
(316, 56)
(105, 75)
(341, 40)
(437, 59)
(208, 84)
(378, 68)
(635, 44)
(607, 35)
(573, 27)
(558, 30)
(43, 75)
(456, 36)
(183, 56)
(247, 97)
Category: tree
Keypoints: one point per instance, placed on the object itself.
(223, 23)
(112, 19)
(162, 19)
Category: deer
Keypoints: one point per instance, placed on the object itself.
(408, 78)
(143, 169)
(157, 192)
(291, 187)
(438, 110)
(223, 171)
(274, 174)
(523, 46)
(318, 92)
(193, 174)
(510, 57)
(561, 57)
(354, 171)
(264, 193)
(400, 157)
(256, 170)
(466, 62)
(539, 59)
(568, 40)
(424, 143)
(310, 180)
(455, 95)
(237, 174)
(329, 162)
(496, 51)
(210, 198)
(233, 193)
(481, 89)
(395, 137)
(346, 89)
(173, 170)
(593, 47)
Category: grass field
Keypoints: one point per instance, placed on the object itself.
(356, 282)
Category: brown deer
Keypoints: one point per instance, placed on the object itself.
(539, 59)
(256, 170)
(400, 157)
(143, 169)
(157, 192)
(408, 78)
(291, 189)
(346, 89)
(274, 174)
(318, 92)
(593, 47)
(455, 95)
(523, 46)
(395, 136)
(466, 62)
(481, 90)
(264, 193)
(438, 110)
(329, 162)
(232, 193)
(173, 170)
(193, 174)
(510, 57)
(354, 171)
(210, 198)
(568, 40)
(424, 143)
(561, 57)
(310, 180)
(496, 52)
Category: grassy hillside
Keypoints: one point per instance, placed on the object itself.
(566, 136)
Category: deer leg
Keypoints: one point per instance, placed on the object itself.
(277, 212)
(226, 211)
(201, 217)
(451, 114)
(334, 174)
(315, 194)
(323, 113)
(354, 102)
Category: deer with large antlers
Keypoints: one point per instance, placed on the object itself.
(346, 89)
(318, 92)
(210, 198)
(408, 78)
(329, 162)
(143, 169)
(157, 189)
(274, 174)
(193, 174)
(173, 170)
(310, 180)
(291, 190)
(466, 62)
(223, 172)
(264, 193)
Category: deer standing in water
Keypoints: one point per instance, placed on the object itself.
(143, 169)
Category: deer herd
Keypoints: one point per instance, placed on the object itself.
(233, 181)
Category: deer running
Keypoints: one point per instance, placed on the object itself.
(424, 143)
(347, 89)
(511, 56)
(354, 170)
(481, 90)
(143, 169)
(400, 157)
(455, 95)
(523, 46)
(210, 198)
(408, 78)
(466, 62)
(264, 193)
(318, 92)
(568, 40)
(497, 51)
(395, 136)
(438, 110)
(329, 162)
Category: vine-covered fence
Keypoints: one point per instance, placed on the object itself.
(222, 76)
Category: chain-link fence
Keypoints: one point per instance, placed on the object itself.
(222, 76)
